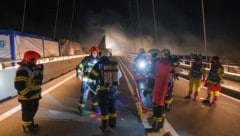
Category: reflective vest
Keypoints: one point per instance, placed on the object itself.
(195, 71)
(215, 73)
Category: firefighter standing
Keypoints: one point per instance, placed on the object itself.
(213, 81)
(107, 75)
(196, 75)
(162, 75)
(88, 85)
(173, 76)
(141, 63)
(28, 83)
(151, 73)
(141, 69)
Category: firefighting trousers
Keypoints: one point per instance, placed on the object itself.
(159, 116)
(194, 82)
(29, 109)
(158, 110)
(106, 102)
(86, 92)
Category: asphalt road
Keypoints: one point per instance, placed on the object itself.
(58, 113)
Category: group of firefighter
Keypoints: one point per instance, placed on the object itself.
(155, 72)
(100, 75)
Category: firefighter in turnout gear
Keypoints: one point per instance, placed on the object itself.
(141, 68)
(213, 82)
(162, 75)
(27, 82)
(88, 87)
(197, 75)
(174, 73)
(150, 75)
(107, 75)
(141, 63)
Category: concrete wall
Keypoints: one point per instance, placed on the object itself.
(51, 70)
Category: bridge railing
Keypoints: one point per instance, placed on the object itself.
(231, 71)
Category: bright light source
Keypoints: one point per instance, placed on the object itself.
(142, 64)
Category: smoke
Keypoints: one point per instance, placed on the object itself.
(178, 33)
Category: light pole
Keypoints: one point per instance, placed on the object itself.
(70, 33)
(154, 21)
(56, 18)
(204, 28)
(23, 19)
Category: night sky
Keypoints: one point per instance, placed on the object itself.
(179, 22)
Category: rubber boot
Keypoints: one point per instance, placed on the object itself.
(34, 128)
(156, 126)
(189, 95)
(215, 99)
(80, 109)
(195, 96)
(104, 126)
(112, 122)
(207, 101)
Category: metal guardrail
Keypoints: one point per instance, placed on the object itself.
(230, 71)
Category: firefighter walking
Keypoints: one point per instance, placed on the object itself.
(107, 75)
(88, 87)
(28, 81)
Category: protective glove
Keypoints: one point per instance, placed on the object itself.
(94, 82)
(79, 77)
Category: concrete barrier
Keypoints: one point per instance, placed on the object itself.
(52, 69)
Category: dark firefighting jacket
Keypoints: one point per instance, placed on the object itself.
(85, 67)
(28, 81)
(106, 73)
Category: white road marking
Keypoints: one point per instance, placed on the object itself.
(18, 107)
(167, 126)
(232, 98)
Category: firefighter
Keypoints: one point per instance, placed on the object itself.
(140, 70)
(140, 63)
(88, 87)
(196, 75)
(174, 73)
(27, 82)
(213, 82)
(107, 75)
(162, 75)
(151, 72)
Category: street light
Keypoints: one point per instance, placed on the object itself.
(204, 28)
